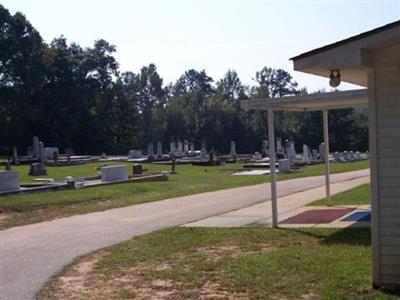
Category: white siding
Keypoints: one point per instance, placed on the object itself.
(387, 97)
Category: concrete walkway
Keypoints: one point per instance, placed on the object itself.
(30, 255)
(260, 215)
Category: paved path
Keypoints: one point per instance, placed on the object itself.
(260, 214)
(30, 255)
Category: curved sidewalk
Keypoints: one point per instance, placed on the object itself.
(30, 255)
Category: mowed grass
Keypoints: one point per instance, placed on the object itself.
(37, 207)
(212, 263)
(356, 196)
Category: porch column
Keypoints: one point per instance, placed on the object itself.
(326, 157)
(272, 161)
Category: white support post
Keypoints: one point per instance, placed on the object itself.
(272, 161)
(326, 158)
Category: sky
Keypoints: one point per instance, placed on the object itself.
(212, 35)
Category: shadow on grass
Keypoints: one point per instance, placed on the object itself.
(345, 236)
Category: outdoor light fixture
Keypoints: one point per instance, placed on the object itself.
(334, 78)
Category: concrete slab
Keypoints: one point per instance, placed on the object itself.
(260, 215)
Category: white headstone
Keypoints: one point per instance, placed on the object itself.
(172, 148)
(306, 154)
(9, 181)
(257, 155)
(291, 152)
(203, 153)
(279, 148)
(134, 154)
(185, 147)
(114, 173)
(264, 150)
(179, 150)
(232, 152)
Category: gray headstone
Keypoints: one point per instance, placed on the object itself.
(9, 181)
(306, 154)
(284, 165)
(36, 147)
(159, 150)
(37, 169)
(150, 151)
(232, 152)
(114, 173)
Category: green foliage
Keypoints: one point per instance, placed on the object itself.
(74, 97)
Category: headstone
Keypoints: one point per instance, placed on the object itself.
(159, 150)
(114, 173)
(315, 154)
(264, 150)
(150, 151)
(352, 156)
(337, 157)
(103, 155)
(211, 155)
(137, 169)
(291, 152)
(357, 155)
(306, 154)
(284, 165)
(15, 156)
(203, 153)
(185, 147)
(49, 152)
(134, 154)
(41, 155)
(257, 155)
(322, 152)
(279, 148)
(172, 148)
(191, 148)
(232, 152)
(345, 156)
(179, 150)
(37, 169)
(9, 181)
(36, 147)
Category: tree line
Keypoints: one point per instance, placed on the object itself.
(74, 97)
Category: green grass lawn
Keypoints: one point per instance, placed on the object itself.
(256, 263)
(357, 196)
(37, 207)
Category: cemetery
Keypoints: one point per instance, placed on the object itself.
(122, 184)
(39, 157)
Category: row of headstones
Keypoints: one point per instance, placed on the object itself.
(177, 149)
(37, 151)
(349, 156)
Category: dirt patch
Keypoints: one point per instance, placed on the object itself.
(73, 282)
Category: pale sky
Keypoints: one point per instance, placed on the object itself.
(212, 35)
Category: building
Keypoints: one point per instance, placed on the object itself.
(371, 60)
